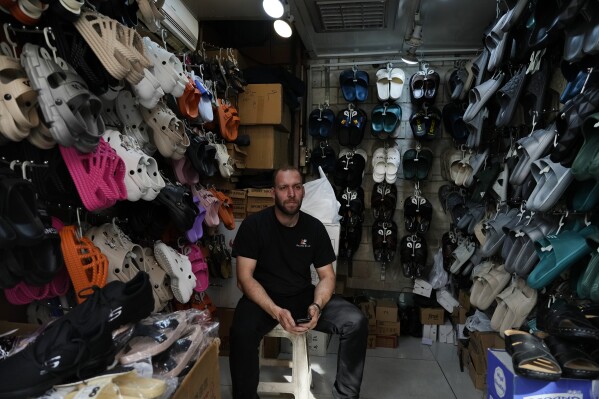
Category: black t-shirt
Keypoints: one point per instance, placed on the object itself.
(283, 254)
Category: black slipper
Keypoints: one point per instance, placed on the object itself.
(20, 210)
(508, 97)
(531, 357)
(179, 203)
(323, 156)
(453, 122)
(573, 359)
(383, 200)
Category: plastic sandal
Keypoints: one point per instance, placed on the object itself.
(158, 278)
(479, 96)
(199, 266)
(487, 286)
(124, 257)
(196, 232)
(514, 304)
(99, 176)
(225, 210)
(178, 267)
(189, 101)
(179, 204)
(150, 13)
(70, 110)
(18, 108)
(397, 78)
(148, 90)
(86, 264)
(173, 361)
(508, 97)
(119, 49)
(152, 336)
(167, 68)
(167, 130)
(122, 385)
(210, 203)
(552, 181)
(529, 149)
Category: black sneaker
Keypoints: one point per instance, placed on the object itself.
(115, 304)
(52, 358)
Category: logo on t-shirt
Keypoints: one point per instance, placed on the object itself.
(303, 243)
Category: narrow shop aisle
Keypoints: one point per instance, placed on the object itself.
(410, 371)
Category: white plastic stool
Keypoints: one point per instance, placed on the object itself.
(301, 375)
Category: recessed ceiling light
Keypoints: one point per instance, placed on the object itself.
(283, 28)
(274, 8)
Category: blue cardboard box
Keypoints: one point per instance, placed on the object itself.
(503, 383)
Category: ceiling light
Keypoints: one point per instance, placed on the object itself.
(283, 27)
(274, 8)
(410, 57)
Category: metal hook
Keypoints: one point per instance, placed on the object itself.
(13, 44)
(79, 229)
(24, 169)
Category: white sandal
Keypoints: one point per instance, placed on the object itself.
(178, 267)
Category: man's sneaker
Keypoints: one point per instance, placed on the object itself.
(115, 304)
(53, 357)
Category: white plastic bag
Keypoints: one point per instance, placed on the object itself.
(438, 277)
(320, 200)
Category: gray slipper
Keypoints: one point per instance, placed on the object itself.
(494, 233)
(513, 15)
(479, 95)
(461, 255)
(70, 110)
(512, 230)
(523, 256)
(496, 41)
(476, 162)
(475, 128)
(529, 149)
(479, 65)
(552, 181)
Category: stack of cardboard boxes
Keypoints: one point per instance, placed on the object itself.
(258, 199)
(267, 120)
(239, 198)
(474, 356)
(383, 323)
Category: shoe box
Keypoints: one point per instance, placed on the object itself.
(203, 380)
(502, 383)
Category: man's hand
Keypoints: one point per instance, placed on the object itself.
(287, 321)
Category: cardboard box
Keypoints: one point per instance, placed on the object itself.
(387, 341)
(237, 194)
(386, 310)
(387, 327)
(479, 343)
(368, 308)
(203, 380)
(432, 316)
(429, 333)
(268, 149)
(256, 204)
(447, 333)
(422, 287)
(371, 343)
(372, 328)
(259, 192)
(503, 382)
(262, 104)
(459, 315)
(478, 379)
(318, 342)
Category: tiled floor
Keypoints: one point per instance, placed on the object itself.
(411, 371)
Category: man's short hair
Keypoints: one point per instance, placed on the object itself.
(284, 168)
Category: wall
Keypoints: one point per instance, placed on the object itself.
(364, 259)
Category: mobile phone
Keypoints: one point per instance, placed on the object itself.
(303, 320)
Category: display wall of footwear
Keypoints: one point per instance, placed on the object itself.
(104, 159)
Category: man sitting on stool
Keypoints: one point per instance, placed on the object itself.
(275, 248)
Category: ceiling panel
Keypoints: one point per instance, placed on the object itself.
(331, 28)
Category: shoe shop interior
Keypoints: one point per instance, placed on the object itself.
(420, 180)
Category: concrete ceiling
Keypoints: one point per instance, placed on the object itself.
(448, 26)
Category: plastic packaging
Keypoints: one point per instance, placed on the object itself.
(320, 200)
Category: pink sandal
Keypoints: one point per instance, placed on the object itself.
(99, 176)
(199, 266)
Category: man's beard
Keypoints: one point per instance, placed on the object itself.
(281, 206)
